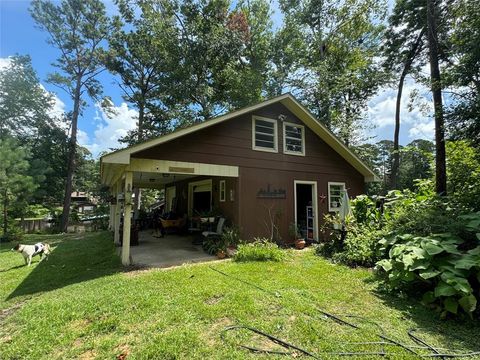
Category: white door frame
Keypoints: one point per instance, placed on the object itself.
(314, 203)
(190, 192)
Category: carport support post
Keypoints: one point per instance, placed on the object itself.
(127, 216)
(118, 210)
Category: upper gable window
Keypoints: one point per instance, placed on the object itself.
(293, 139)
(264, 134)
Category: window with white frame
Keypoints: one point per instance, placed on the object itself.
(335, 192)
(293, 139)
(223, 191)
(264, 134)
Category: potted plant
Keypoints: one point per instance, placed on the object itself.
(231, 239)
(296, 235)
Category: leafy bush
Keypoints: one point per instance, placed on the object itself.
(444, 267)
(231, 236)
(463, 175)
(358, 249)
(421, 212)
(259, 250)
(213, 244)
(14, 234)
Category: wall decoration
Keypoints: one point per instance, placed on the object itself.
(271, 193)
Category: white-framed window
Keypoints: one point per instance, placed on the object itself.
(264, 134)
(293, 139)
(223, 191)
(335, 192)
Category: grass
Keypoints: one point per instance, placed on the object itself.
(81, 304)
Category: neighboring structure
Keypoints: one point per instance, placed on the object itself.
(270, 163)
(83, 202)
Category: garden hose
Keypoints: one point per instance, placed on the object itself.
(381, 334)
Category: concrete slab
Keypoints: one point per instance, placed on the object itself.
(171, 250)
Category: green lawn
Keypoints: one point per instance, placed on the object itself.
(81, 304)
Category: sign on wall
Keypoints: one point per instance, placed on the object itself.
(271, 193)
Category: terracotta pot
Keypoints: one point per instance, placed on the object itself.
(300, 243)
(221, 254)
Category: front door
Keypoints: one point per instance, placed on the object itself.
(306, 214)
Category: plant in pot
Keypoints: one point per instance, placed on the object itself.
(296, 235)
(231, 239)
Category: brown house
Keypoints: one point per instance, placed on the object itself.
(272, 162)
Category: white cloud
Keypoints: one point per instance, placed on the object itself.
(4, 62)
(417, 122)
(111, 126)
(425, 130)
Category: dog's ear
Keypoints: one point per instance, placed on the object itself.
(16, 247)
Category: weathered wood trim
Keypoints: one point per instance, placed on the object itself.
(180, 167)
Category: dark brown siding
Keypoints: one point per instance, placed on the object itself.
(230, 143)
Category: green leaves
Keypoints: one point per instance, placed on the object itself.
(443, 289)
(436, 262)
(468, 303)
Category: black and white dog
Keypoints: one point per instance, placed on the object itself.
(29, 251)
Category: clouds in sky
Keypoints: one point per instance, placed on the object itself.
(416, 124)
(110, 127)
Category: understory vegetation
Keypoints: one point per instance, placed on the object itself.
(419, 242)
(260, 249)
(182, 313)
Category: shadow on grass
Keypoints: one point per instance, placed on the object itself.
(74, 259)
(456, 333)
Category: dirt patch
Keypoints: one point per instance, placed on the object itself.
(6, 339)
(7, 312)
(78, 343)
(79, 324)
(122, 351)
(214, 330)
(87, 355)
(215, 299)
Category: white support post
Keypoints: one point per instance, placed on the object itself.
(118, 211)
(111, 217)
(127, 216)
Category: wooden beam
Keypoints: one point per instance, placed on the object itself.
(180, 167)
(127, 217)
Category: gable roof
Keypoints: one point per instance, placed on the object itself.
(288, 100)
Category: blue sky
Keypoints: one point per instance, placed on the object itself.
(18, 35)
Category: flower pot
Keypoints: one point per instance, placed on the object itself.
(221, 254)
(231, 250)
(300, 243)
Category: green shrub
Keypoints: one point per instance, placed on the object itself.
(443, 267)
(259, 250)
(231, 236)
(358, 249)
(14, 234)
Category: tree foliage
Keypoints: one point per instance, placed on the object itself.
(77, 28)
(16, 182)
(24, 104)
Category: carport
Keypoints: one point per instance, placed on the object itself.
(122, 173)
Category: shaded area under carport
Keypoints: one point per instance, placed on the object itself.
(171, 250)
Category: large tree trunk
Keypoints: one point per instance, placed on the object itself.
(440, 161)
(396, 137)
(72, 152)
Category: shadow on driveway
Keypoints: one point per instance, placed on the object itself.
(75, 258)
